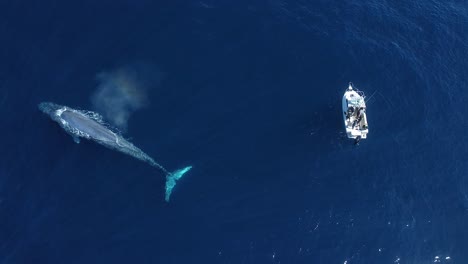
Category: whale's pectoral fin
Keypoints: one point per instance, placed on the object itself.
(172, 178)
(76, 139)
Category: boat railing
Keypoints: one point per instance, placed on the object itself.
(361, 93)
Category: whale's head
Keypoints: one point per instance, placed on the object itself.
(49, 108)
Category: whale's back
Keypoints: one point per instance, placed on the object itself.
(88, 126)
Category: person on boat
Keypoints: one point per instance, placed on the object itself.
(359, 118)
(360, 114)
(350, 112)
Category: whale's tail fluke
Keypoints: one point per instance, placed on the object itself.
(172, 178)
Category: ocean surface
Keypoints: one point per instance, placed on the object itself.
(249, 94)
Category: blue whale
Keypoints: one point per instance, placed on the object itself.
(90, 125)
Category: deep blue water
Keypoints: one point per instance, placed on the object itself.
(250, 95)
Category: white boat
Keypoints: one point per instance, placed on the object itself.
(354, 114)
